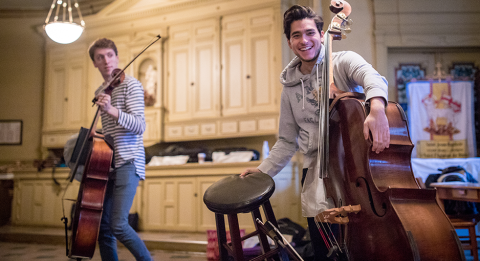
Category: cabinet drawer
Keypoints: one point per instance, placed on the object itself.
(174, 131)
(470, 194)
(191, 130)
(55, 140)
(229, 127)
(209, 129)
(152, 120)
(248, 126)
(267, 124)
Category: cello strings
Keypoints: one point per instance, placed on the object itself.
(323, 235)
(334, 237)
(321, 228)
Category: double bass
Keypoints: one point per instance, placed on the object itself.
(96, 152)
(382, 211)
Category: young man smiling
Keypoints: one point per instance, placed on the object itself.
(299, 110)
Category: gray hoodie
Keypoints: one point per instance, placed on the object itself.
(299, 104)
(299, 114)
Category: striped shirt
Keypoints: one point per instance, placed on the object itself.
(127, 132)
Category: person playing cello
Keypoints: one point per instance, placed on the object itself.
(299, 115)
(123, 118)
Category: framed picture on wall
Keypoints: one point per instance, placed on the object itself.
(11, 132)
(404, 73)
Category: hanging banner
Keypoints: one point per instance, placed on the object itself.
(441, 119)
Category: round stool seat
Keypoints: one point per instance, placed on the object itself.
(235, 194)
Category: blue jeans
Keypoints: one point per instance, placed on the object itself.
(121, 189)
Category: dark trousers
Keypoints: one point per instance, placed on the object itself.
(318, 244)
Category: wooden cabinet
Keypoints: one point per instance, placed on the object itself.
(65, 94)
(152, 132)
(173, 196)
(37, 200)
(248, 57)
(217, 76)
(193, 69)
(249, 47)
(169, 204)
(169, 199)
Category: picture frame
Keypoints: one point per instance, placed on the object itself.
(11, 132)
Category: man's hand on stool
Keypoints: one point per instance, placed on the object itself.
(249, 171)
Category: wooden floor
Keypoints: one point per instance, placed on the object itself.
(33, 251)
(31, 243)
(191, 242)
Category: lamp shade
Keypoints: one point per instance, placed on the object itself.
(63, 32)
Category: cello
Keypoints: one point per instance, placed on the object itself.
(382, 211)
(97, 150)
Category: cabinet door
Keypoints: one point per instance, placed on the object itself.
(152, 131)
(206, 69)
(234, 65)
(65, 102)
(55, 97)
(193, 84)
(76, 90)
(180, 73)
(205, 217)
(248, 55)
(38, 203)
(261, 54)
(170, 204)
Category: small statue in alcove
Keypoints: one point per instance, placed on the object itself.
(150, 86)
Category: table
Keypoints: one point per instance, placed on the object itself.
(458, 191)
(465, 192)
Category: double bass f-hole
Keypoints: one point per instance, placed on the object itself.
(370, 197)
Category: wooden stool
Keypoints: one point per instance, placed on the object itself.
(468, 242)
(233, 195)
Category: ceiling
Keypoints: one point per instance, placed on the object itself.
(20, 8)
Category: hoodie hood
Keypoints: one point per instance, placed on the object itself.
(289, 78)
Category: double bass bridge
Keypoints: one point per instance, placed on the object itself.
(337, 215)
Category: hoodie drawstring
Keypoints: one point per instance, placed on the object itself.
(303, 96)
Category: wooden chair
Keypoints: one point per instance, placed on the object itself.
(462, 222)
(468, 242)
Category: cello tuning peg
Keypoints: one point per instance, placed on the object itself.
(349, 22)
(347, 30)
(344, 36)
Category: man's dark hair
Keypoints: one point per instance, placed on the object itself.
(298, 12)
(101, 44)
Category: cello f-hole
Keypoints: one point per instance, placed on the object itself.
(370, 198)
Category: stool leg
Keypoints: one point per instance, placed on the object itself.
(261, 236)
(267, 209)
(221, 236)
(235, 237)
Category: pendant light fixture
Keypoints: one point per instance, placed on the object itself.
(64, 31)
